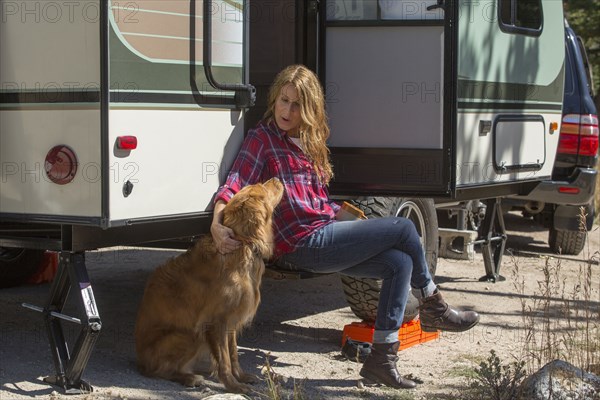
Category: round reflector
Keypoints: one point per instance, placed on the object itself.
(61, 164)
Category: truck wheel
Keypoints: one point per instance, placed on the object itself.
(17, 265)
(566, 242)
(362, 294)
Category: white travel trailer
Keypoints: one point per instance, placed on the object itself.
(119, 119)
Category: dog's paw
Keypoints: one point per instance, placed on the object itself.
(194, 381)
(234, 386)
(247, 378)
(241, 388)
(237, 387)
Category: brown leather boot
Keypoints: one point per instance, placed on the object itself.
(436, 314)
(380, 366)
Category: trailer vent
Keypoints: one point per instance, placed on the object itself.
(61, 164)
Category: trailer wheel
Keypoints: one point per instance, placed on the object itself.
(17, 265)
(566, 242)
(362, 294)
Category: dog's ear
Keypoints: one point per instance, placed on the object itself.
(241, 216)
(233, 214)
(249, 214)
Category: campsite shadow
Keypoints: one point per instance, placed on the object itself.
(524, 234)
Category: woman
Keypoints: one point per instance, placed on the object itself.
(290, 144)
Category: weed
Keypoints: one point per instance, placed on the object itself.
(496, 381)
(461, 371)
(400, 395)
(275, 389)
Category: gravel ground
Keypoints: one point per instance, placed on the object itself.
(297, 329)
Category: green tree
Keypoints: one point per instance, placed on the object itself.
(584, 18)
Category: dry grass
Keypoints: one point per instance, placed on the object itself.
(597, 200)
(561, 319)
(276, 389)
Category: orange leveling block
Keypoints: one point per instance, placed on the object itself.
(409, 335)
(47, 269)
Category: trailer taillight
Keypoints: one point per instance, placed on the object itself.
(127, 142)
(579, 135)
(61, 164)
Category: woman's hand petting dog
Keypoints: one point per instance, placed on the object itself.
(223, 236)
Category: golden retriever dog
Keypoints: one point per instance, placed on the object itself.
(195, 304)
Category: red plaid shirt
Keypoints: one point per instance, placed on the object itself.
(268, 152)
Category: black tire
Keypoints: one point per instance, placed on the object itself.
(566, 242)
(17, 265)
(362, 294)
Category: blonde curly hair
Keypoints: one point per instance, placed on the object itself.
(314, 129)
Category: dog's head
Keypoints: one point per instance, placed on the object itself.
(249, 214)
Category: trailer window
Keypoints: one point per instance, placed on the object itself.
(382, 10)
(521, 16)
(156, 56)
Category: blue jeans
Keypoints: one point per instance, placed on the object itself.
(380, 248)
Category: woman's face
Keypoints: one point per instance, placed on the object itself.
(287, 110)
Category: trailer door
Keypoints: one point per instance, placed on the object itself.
(384, 64)
(510, 67)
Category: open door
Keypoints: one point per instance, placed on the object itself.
(510, 71)
(384, 68)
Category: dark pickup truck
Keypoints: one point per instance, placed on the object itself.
(558, 203)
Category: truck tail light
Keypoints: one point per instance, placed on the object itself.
(579, 135)
(568, 190)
